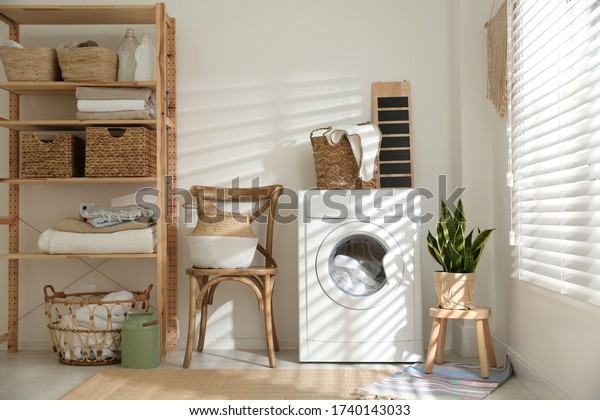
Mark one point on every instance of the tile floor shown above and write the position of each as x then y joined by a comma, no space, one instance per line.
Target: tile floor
38,375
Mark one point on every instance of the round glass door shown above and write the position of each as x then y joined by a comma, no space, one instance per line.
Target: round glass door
356,265
359,265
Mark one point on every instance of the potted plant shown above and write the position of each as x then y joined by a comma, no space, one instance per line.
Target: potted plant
458,254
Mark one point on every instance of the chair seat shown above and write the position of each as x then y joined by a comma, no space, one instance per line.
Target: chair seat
250,271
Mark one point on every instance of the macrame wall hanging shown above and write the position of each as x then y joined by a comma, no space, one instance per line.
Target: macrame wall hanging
497,44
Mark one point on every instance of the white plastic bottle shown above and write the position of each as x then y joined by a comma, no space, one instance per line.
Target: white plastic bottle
145,57
126,52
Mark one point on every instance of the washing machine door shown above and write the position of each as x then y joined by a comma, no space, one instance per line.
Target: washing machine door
359,265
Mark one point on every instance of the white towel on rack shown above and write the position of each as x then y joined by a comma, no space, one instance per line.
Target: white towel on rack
112,105
365,141
138,241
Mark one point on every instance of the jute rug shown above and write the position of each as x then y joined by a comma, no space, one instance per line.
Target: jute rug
225,384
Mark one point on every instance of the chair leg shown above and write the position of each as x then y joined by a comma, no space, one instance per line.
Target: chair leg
268,294
191,322
483,360
275,341
203,314
489,344
433,342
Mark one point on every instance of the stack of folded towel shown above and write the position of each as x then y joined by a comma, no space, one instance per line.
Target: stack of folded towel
107,103
102,230
109,216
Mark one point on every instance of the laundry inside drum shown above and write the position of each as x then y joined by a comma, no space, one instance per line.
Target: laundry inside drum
356,265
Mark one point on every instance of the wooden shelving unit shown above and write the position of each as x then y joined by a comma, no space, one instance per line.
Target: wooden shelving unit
164,125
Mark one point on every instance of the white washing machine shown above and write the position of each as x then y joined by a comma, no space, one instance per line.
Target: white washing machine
359,280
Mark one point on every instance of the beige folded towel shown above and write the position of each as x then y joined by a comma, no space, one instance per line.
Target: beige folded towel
117,115
84,92
79,226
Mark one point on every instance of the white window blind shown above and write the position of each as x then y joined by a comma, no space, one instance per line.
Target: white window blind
554,130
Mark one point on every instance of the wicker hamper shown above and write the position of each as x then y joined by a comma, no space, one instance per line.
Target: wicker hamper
335,165
88,64
85,330
30,64
62,156
120,153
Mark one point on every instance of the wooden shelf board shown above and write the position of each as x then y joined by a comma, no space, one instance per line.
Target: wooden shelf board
7,220
80,15
72,125
42,256
83,180
64,88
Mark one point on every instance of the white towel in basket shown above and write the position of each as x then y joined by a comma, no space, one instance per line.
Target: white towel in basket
365,140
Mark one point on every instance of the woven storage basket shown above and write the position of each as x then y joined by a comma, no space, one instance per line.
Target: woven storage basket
88,64
30,64
62,156
221,239
85,330
114,155
335,165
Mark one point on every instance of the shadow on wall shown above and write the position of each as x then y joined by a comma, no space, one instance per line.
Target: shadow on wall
259,126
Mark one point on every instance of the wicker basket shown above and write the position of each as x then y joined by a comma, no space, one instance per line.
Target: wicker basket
62,156
30,64
222,241
120,153
85,329
88,64
336,165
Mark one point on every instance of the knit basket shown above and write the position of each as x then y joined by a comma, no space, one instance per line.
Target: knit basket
88,64
85,329
335,165
62,156
120,152
30,64
222,240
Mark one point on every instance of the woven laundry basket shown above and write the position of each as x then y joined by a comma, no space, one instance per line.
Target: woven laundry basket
30,64
58,156
335,164
120,152
85,328
88,64
222,240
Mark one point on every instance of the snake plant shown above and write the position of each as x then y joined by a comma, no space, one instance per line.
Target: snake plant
454,251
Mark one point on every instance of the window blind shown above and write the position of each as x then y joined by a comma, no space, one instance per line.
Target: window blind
554,131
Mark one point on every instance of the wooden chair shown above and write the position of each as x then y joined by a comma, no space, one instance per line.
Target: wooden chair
437,341
261,279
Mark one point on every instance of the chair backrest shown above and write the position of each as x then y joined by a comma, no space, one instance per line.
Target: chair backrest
261,200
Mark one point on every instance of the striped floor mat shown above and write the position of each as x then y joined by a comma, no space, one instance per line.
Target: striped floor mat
448,381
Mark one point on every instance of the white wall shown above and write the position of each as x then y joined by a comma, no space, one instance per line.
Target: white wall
254,78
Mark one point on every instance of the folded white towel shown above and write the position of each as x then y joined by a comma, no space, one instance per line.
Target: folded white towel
126,242
365,140
112,105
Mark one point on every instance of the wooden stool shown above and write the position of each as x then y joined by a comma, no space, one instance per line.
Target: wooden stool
485,346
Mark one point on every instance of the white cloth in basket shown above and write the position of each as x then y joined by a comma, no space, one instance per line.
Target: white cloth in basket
74,345
365,141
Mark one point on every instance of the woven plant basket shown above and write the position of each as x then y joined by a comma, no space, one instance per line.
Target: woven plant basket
30,64
88,64
335,165
120,152
61,156
86,330
454,290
